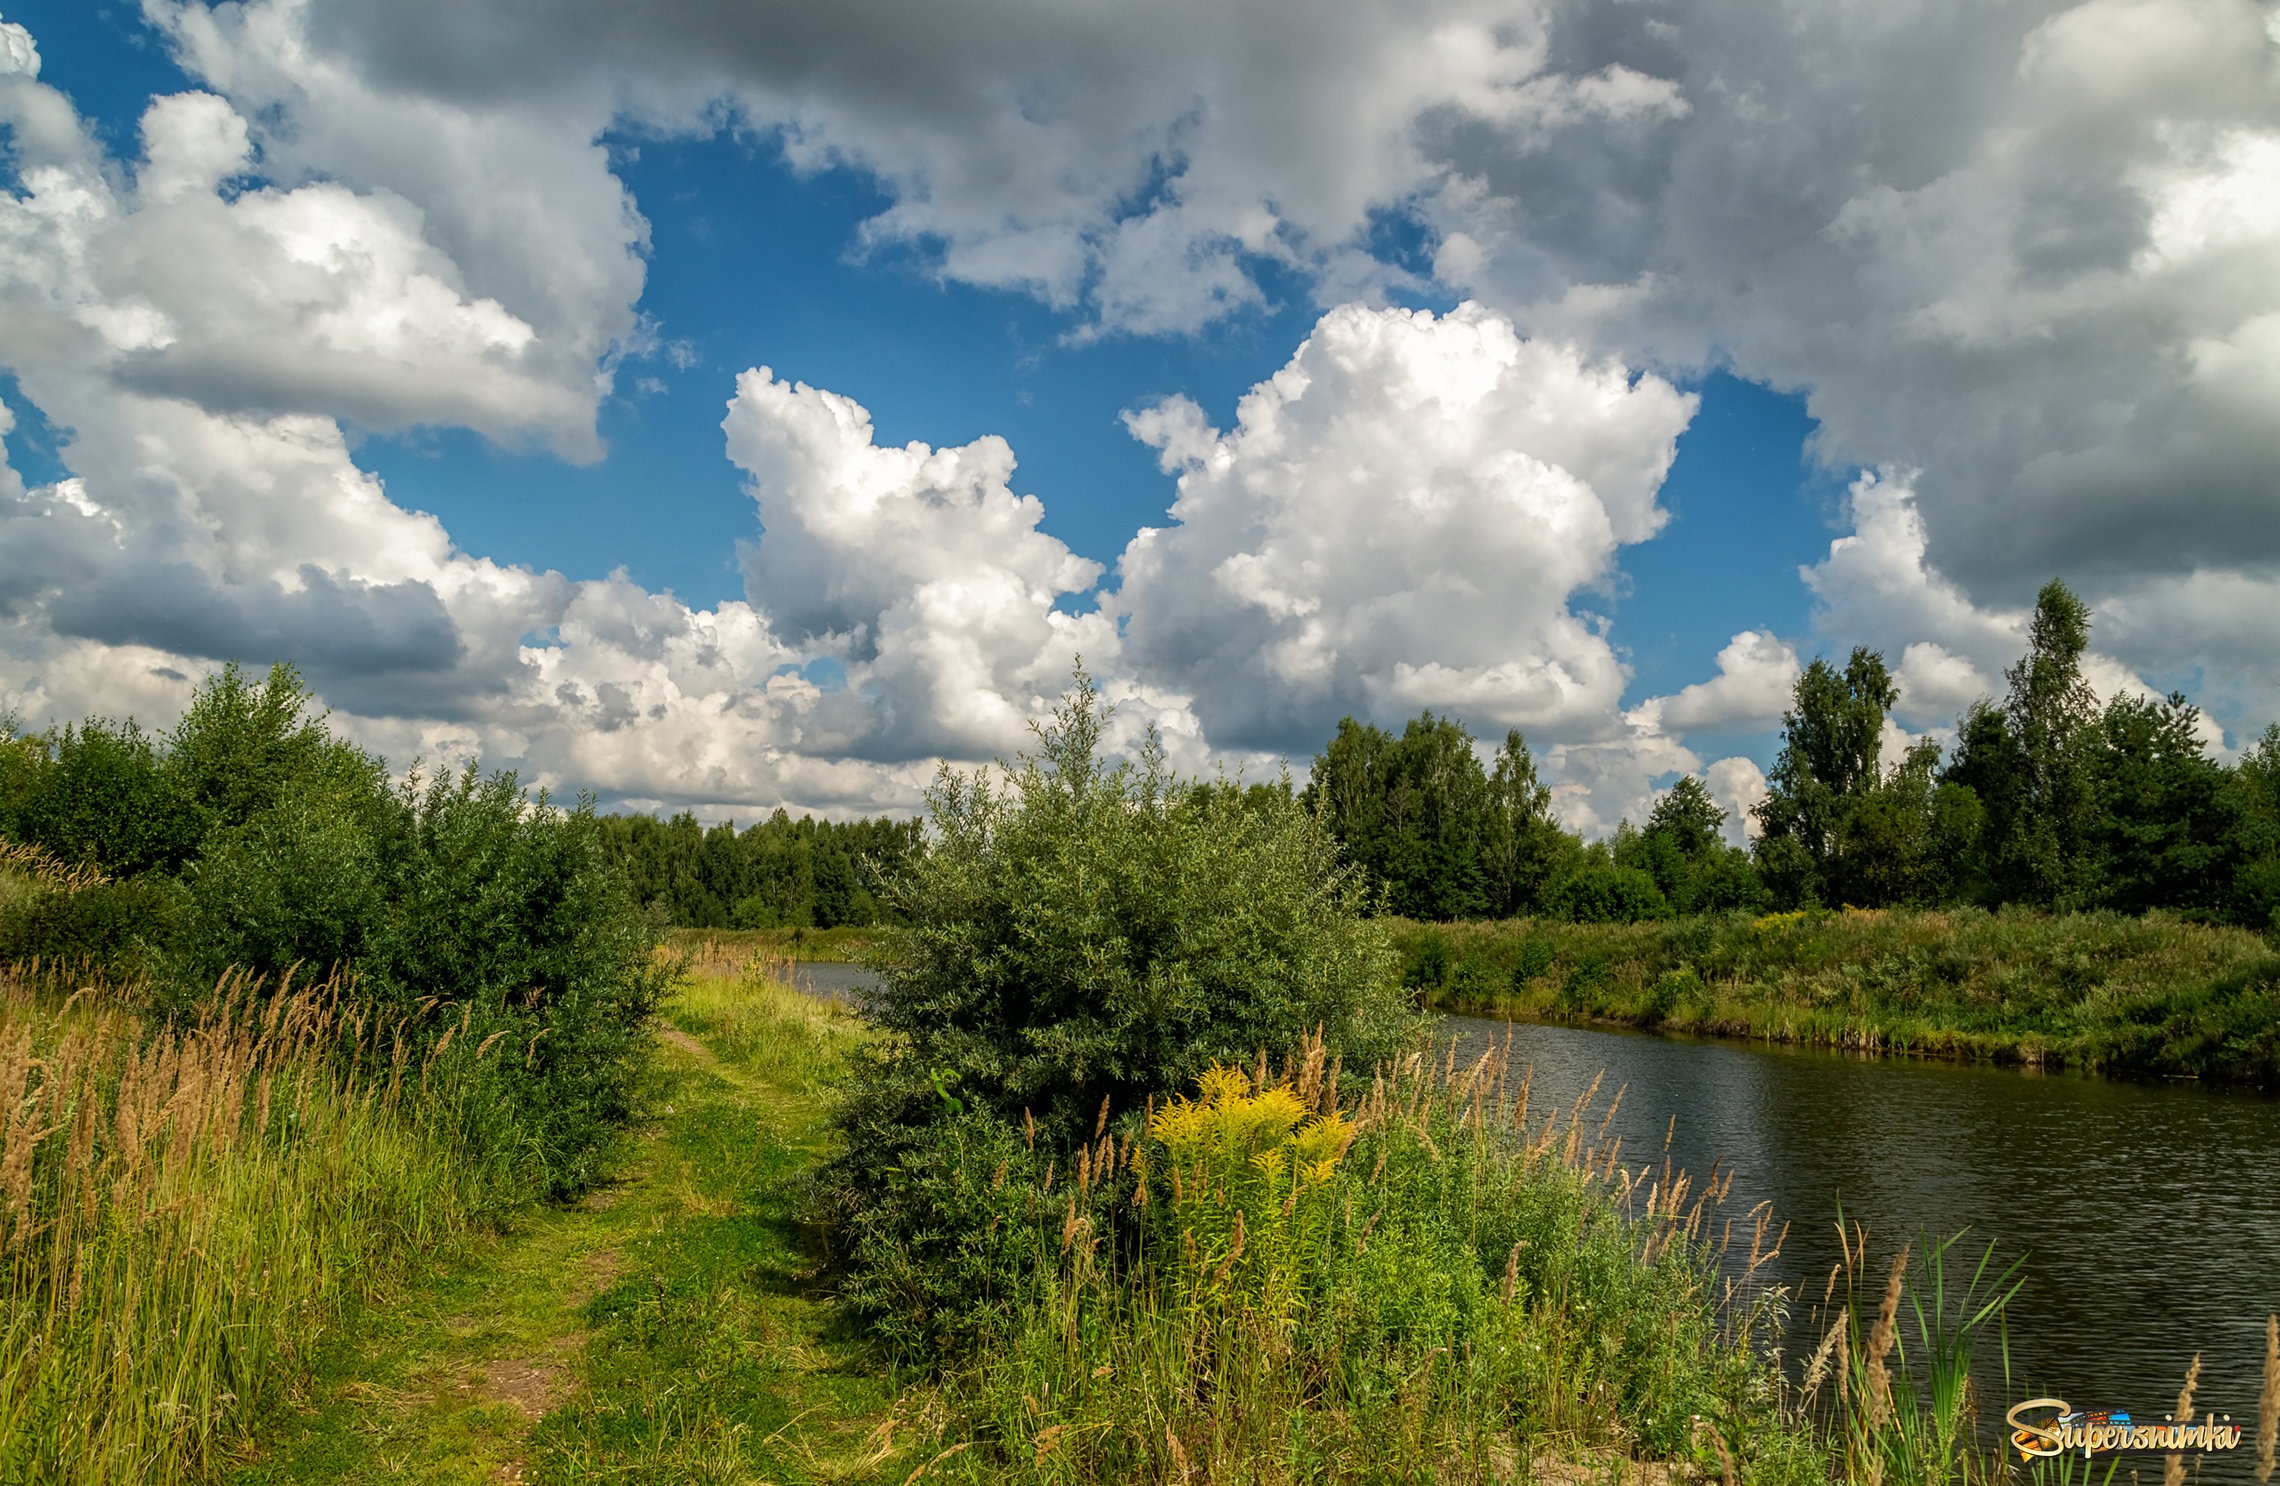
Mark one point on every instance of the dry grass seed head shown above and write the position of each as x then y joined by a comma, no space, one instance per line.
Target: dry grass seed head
1880,1339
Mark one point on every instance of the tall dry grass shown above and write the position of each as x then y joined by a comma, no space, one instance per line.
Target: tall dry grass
184,1208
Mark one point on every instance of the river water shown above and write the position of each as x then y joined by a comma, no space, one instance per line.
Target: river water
2148,1213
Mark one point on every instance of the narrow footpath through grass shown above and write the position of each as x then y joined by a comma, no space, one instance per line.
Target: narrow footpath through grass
664,1330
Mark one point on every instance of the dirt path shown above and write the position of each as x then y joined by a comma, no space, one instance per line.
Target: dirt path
662,1330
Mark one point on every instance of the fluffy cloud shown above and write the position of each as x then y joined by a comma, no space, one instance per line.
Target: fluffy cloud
1141,163
513,206
1398,521
918,568
1756,672
214,509
1739,787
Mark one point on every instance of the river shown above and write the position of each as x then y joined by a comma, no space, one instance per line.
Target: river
2148,1213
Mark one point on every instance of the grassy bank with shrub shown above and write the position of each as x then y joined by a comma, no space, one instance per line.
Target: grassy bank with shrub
1431,1282
275,1026
250,839
1143,1163
2139,994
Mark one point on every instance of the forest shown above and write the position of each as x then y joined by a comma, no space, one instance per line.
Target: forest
779,873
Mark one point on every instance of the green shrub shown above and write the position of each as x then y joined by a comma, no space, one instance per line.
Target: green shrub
1079,941
1600,894
1426,965
263,843
106,924
1534,958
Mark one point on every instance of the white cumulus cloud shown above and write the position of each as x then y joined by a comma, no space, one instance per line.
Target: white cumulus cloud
1398,521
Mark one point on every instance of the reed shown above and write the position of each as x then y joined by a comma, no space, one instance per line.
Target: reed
1905,1408
185,1207
2173,1466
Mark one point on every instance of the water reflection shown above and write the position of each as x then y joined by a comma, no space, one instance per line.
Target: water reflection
2149,1212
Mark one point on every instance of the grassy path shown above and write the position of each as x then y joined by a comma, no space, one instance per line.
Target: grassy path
662,1331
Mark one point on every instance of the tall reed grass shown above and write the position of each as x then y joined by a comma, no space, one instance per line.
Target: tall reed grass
1892,1383
185,1207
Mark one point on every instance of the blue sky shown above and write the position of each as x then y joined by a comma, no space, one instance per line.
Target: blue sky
1037,272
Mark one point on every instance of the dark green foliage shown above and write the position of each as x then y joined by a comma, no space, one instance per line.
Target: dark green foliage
779,873
1683,850
2034,766
108,924
1443,837
251,838
2253,896
1827,768
2166,833
1688,818
1426,966
1602,892
1083,937
96,795
2041,852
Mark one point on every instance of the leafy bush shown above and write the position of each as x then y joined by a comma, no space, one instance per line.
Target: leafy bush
263,843
1601,894
1080,941
1426,966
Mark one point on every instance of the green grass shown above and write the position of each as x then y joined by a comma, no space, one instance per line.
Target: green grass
725,949
2154,994
666,1329
1448,1300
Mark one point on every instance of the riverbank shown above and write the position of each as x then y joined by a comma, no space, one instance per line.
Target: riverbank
2149,995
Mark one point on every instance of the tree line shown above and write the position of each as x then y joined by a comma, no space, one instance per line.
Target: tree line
2048,799
778,873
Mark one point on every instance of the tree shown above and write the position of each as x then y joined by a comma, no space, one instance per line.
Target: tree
1688,816
1525,846
2253,896
1682,847
1831,738
1079,940
2167,827
1904,837
1443,837
2033,765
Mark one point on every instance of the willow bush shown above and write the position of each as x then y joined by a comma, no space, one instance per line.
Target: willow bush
1080,937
